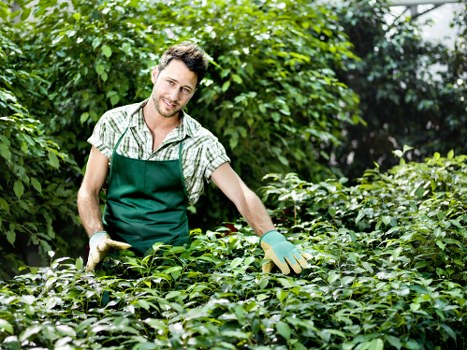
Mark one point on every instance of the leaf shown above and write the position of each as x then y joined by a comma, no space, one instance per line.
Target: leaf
36,184
4,205
107,51
440,244
283,329
84,117
394,341
5,152
114,100
66,330
79,263
53,160
30,331
236,78
100,69
386,219
18,188
376,344
156,324
6,326
367,267
11,236
225,86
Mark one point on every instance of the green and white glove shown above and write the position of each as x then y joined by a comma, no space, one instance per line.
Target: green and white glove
99,243
282,253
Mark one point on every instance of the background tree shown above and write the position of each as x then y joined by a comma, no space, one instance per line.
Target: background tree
35,200
412,92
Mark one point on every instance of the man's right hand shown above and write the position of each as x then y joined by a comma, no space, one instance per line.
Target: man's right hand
99,244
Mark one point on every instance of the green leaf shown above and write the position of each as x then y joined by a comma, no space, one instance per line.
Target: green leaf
394,341
114,99
5,152
107,51
6,326
18,188
53,160
100,69
66,330
236,78
376,344
225,86
84,117
11,236
29,332
283,329
440,244
36,184
79,263
4,205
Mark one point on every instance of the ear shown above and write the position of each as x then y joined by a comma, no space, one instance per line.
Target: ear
154,74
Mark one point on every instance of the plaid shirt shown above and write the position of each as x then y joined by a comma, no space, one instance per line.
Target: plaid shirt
202,152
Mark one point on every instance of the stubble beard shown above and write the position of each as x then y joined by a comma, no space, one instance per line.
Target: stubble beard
159,109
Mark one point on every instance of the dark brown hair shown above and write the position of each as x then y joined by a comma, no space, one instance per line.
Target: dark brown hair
189,53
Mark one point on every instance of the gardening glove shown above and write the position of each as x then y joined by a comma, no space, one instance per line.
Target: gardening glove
282,253
99,244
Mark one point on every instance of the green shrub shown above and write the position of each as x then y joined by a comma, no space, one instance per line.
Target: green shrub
379,278
35,199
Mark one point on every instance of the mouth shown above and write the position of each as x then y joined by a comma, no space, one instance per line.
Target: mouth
169,104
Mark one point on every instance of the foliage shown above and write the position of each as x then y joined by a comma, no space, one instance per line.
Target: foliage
418,209
270,88
412,91
387,272
34,197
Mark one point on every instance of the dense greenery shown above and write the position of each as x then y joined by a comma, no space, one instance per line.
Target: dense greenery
389,251
388,271
412,91
271,95
33,196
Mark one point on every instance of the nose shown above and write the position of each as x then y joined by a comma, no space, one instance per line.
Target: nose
174,94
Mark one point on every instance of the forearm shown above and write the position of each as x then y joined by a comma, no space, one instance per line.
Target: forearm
255,213
89,212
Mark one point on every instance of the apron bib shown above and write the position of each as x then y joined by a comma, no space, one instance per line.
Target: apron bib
146,201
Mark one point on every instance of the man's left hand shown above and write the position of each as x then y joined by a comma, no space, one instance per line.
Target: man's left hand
282,253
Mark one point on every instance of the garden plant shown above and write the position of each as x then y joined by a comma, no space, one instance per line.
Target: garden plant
388,272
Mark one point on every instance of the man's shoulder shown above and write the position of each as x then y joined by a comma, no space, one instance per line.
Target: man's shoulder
196,130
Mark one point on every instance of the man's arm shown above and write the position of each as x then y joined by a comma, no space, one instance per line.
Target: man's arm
277,249
88,207
88,194
247,202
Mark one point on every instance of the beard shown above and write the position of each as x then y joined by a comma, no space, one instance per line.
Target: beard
161,108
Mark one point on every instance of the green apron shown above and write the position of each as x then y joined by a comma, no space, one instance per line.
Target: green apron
146,201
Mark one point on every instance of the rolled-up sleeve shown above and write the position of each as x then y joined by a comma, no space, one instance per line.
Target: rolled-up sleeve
203,156
101,137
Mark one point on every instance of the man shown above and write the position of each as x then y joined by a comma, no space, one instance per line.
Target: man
157,158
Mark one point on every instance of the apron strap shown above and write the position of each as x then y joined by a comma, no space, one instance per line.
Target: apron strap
180,163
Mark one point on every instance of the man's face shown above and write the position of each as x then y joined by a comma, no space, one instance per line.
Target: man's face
173,88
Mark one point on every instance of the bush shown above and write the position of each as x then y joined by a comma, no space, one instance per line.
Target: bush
387,272
35,199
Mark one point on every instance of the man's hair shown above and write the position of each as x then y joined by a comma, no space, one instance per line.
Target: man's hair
189,53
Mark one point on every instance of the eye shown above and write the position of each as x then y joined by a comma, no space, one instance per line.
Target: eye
186,90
